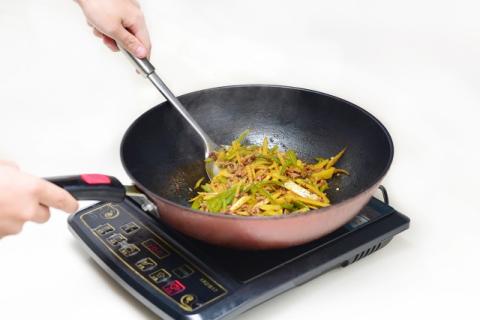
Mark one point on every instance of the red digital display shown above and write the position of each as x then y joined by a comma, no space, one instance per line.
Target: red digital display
173,287
155,248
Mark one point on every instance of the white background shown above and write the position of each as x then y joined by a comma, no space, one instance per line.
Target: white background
65,102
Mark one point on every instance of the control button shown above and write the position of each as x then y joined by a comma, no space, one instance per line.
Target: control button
146,264
116,239
155,248
183,271
188,301
104,229
129,250
130,228
95,179
109,213
173,287
161,275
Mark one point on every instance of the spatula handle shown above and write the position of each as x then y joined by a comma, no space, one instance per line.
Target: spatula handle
148,70
142,65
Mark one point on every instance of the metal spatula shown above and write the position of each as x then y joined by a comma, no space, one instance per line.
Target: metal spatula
148,70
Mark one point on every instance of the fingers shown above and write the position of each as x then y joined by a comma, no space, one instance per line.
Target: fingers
118,23
52,196
139,29
10,227
130,42
41,215
110,43
27,198
97,33
144,37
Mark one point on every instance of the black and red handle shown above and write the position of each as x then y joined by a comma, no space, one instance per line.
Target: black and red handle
92,187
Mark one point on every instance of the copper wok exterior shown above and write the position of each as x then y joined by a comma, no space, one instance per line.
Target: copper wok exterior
160,154
256,233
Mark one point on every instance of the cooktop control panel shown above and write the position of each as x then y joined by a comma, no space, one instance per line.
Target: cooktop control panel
150,258
178,277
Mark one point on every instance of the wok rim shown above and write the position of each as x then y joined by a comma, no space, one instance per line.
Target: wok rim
154,195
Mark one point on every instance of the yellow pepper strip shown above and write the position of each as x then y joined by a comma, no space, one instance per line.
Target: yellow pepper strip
211,195
324,198
281,158
271,210
221,154
240,202
271,207
199,182
237,191
276,194
300,164
279,177
320,164
334,159
261,203
309,201
253,172
195,198
249,174
263,162
225,173
324,174
265,146
273,166
342,171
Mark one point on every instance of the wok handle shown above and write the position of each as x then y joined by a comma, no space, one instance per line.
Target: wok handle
91,187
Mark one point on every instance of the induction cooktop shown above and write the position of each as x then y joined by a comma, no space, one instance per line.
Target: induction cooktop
178,277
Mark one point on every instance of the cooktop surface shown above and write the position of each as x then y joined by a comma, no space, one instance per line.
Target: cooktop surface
178,277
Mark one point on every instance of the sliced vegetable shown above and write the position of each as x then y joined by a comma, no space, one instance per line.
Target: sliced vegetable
199,182
295,188
334,159
263,181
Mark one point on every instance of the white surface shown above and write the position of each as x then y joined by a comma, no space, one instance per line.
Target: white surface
65,102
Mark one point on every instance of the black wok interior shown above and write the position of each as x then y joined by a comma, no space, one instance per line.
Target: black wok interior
163,154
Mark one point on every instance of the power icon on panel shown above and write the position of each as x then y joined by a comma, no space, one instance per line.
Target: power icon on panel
188,301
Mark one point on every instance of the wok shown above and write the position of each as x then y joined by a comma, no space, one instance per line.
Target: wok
164,158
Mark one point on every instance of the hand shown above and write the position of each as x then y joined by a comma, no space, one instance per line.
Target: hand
118,21
26,198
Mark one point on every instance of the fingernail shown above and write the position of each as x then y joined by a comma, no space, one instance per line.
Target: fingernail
141,52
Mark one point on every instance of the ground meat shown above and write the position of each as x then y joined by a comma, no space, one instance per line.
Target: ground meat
249,159
292,173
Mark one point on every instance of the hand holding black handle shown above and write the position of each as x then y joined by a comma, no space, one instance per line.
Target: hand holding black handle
91,187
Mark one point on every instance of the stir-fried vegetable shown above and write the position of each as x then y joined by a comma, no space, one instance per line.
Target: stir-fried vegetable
263,181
